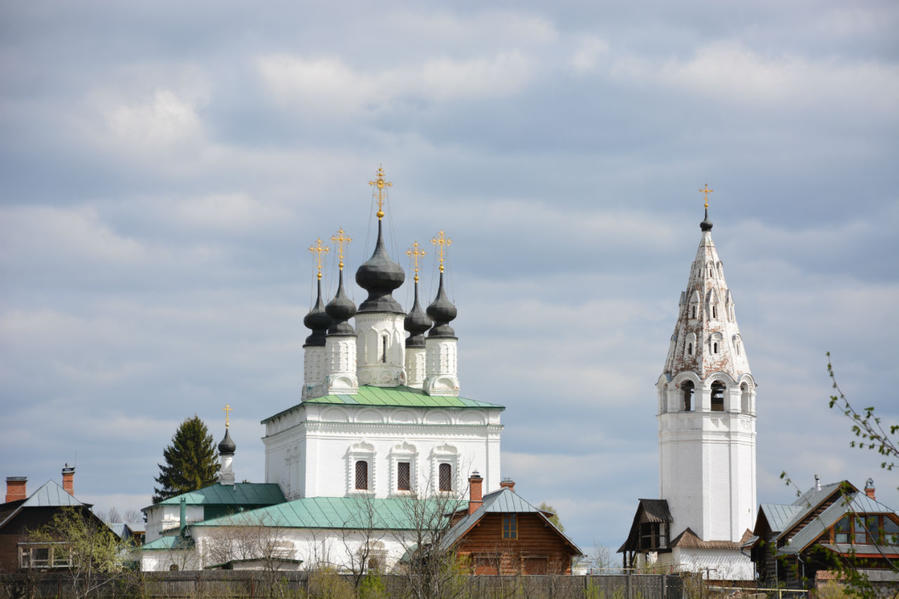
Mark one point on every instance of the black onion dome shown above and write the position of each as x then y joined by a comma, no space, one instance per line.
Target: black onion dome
416,322
380,276
706,224
318,321
227,446
441,311
340,309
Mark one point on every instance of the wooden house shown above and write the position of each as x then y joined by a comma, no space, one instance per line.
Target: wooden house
501,533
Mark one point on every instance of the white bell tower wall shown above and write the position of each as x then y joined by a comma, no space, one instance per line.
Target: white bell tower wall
380,349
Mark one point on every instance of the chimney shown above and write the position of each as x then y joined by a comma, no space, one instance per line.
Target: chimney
16,488
817,483
507,483
68,479
869,488
475,492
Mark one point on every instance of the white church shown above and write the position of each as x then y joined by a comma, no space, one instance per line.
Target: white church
707,438
380,420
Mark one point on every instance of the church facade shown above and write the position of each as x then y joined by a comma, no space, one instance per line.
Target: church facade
707,437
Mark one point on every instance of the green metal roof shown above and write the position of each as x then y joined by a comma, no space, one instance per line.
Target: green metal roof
168,543
401,396
391,513
237,494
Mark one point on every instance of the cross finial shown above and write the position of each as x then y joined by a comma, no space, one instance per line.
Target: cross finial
380,184
706,191
442,242
317,250
415,253
340,239
227,415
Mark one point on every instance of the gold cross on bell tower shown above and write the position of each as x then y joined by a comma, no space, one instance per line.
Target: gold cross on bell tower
415,253
381,185
706,191
227,415
441,242
317,250
340,239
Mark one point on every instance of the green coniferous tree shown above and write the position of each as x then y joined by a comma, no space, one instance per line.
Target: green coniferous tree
191,461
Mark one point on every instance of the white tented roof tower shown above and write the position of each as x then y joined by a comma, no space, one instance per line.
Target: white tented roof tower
707,464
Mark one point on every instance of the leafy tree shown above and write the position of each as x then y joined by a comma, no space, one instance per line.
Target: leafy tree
555,515
190,461
80,542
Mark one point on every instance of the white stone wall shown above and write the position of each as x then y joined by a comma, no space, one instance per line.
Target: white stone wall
315,547
164,517
340,354
311,451
442,366
416,367
315,370
374,330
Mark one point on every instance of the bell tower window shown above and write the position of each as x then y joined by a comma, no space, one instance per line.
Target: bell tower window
687,388
717,396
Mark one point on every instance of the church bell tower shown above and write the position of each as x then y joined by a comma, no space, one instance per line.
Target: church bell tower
706,412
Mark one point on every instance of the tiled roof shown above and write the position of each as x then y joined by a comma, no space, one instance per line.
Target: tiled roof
391,513
505,501
236,494
393,396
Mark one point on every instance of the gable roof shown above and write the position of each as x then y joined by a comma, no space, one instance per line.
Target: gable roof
690,540
503,501
401,396
391,513
236,494
50,494
778,515
655,510
811,502
856,503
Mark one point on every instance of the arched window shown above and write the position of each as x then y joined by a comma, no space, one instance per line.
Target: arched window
744,398
690,349
717,396
714,311
715,347
384,348
361,475
445,473
693,313
687,388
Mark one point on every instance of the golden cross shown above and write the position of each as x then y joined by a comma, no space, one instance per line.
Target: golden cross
317,250
415,253
442,242
380,183
340,240
706,191
227,415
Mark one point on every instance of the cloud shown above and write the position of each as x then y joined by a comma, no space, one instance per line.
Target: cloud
162,120
329,86
588,53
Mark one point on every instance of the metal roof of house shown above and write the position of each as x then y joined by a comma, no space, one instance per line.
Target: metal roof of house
236,494
391,513
168,543
779,515
808,502
857,503
392,396
505,501
50,494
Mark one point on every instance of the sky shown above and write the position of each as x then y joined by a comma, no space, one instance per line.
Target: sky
165,166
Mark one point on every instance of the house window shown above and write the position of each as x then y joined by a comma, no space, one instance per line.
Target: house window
361,475
44,556
445,474
687,388
841,530
510,526
403,476
717,396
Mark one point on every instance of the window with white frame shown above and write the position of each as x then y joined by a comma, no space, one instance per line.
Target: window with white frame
360,475
403,468
44,555
445,469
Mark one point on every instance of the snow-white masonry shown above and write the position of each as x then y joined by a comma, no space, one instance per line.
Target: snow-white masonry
707,416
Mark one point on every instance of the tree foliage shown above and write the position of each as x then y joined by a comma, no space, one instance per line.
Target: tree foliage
191,461
554,518
93,554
